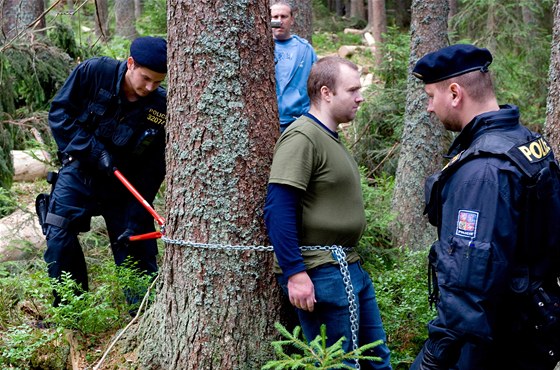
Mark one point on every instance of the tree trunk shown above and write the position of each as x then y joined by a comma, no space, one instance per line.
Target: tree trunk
303,27
124,18
357,9
402,13
102,18
453,8
19,14
215,308
423,137
378,25
552,126
339,7
137,9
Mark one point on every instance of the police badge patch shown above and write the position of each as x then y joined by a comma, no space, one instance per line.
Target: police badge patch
466,223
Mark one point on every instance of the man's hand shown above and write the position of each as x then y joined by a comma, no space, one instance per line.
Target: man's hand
105,163
301,291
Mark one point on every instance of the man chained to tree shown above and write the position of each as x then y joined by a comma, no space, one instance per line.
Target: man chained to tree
315,199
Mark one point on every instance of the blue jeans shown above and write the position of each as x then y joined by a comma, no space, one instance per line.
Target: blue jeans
331,309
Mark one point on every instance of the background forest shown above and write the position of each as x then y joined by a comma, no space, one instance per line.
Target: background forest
40,44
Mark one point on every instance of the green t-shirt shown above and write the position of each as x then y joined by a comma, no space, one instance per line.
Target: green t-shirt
307,157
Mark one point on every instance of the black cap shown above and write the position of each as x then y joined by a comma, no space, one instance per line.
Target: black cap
150,52
452,61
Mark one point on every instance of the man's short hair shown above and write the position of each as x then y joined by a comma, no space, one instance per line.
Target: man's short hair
288,3
325,73
478,85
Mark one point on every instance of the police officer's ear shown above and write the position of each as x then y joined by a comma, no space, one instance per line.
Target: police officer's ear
130,63
456,92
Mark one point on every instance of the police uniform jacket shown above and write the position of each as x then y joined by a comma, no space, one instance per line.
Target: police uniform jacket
90,114
476,202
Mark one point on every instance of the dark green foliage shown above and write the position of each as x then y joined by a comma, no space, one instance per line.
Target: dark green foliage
377,194
7,201
30,75
8,96
36,72
6,165
31,330
521,49
380,119
315,354
154,18
63,38
402,296
26,347
87,312
399,276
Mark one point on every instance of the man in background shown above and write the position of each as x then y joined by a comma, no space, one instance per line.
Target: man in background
293,57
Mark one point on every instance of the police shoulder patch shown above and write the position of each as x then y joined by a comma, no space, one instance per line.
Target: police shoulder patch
453,160
535,150
467,222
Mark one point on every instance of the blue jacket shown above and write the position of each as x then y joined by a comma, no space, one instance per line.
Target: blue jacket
476,202
291,92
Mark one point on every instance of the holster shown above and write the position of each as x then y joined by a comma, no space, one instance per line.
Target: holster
42,202
42,208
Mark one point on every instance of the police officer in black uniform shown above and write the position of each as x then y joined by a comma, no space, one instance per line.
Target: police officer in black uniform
108,114
495,263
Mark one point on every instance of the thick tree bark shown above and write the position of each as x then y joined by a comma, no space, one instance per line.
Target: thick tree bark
423,136
303,27
124,17
215,308
552,126
16,15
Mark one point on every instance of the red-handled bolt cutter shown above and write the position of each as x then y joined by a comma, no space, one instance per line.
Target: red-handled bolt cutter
149,208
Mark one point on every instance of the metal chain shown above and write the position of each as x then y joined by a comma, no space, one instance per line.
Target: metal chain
337,251
340,256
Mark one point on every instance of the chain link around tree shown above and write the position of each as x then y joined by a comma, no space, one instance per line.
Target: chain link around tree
338,253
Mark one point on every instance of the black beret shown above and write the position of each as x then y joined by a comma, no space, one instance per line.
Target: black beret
452,61
150,52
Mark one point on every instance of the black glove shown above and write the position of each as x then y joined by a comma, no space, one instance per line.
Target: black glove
123,241
430,362
105,163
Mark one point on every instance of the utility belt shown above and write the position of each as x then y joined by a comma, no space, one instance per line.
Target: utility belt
66,160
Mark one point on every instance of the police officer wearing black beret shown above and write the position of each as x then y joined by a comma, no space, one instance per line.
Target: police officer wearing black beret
494,266
108,114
